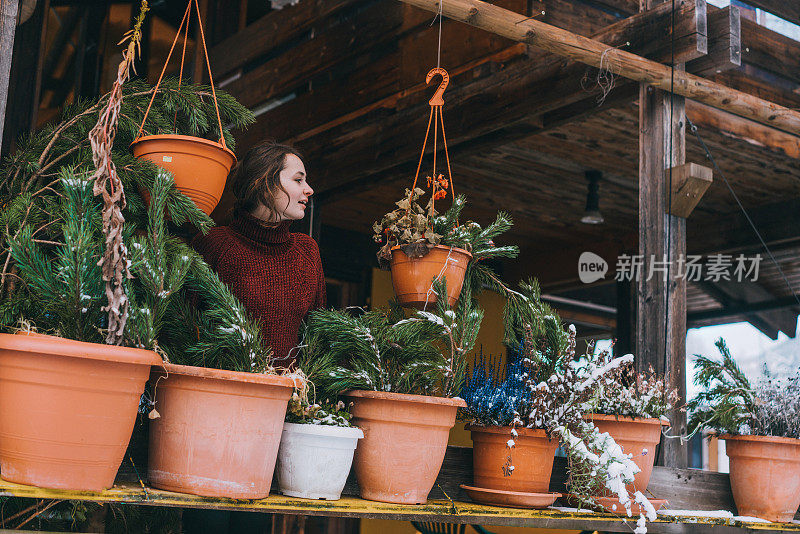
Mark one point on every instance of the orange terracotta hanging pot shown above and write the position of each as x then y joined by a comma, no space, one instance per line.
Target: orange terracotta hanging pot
199,166
412,278
414,273
68,409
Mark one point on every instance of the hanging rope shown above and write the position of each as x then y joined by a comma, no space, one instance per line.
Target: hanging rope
437,182
184,27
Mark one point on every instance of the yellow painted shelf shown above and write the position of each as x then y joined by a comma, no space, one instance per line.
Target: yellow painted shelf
442,511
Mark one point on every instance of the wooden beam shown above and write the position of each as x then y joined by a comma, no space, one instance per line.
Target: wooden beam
689,183
746,130
750,308
724,43
520,28
21,107
8,27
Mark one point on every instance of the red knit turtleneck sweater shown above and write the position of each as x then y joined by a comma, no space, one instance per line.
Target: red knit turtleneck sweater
277,276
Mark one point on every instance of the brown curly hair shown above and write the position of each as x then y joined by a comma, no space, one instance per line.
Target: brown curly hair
256,178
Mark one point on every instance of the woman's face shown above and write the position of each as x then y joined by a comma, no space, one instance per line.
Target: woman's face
292,204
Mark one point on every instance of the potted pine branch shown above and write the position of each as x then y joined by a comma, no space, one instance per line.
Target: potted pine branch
521,411
74,398
318,439
172,303
761,427
422,246
402,386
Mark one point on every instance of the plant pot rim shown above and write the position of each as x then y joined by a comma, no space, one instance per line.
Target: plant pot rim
768,439
35,342
625,419
506,430
188,138
444,247
324,430
406,397
221,374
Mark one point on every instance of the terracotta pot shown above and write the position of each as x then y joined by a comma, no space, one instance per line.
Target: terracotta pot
219,431
68,409
405,439
413,278
765,476
634,436
200,167
532,458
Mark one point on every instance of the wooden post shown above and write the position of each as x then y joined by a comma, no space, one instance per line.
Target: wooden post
8,25
661,298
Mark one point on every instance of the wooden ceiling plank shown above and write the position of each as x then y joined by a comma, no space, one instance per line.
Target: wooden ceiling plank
271,31
785,9
515,26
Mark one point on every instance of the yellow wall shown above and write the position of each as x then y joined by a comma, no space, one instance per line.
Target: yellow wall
490,339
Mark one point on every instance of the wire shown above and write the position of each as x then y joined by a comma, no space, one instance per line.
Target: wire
439,49
693,129
669,195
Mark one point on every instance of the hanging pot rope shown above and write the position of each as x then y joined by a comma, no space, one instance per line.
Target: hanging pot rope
438,184
184,26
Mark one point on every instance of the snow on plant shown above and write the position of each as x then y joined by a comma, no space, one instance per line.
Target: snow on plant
728,403
383,350
543,387
623,392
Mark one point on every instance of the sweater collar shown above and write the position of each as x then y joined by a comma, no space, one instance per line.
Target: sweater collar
255,230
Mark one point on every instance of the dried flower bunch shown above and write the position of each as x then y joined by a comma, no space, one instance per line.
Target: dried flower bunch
730,404
624,392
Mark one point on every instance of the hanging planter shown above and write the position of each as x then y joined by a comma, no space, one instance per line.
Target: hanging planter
405,439
765,476
199,167
417,254
68,409
412,278
218,432
314,460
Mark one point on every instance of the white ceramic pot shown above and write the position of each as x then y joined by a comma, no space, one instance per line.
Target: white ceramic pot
314,460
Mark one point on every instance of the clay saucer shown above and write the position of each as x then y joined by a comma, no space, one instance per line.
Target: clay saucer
513,499
611,505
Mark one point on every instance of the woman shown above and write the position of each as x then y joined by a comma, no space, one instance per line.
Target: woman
277,275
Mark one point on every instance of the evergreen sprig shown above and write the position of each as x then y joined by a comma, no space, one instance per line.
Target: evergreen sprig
378,350
727,400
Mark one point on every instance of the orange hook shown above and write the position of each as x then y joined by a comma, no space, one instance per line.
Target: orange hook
437,100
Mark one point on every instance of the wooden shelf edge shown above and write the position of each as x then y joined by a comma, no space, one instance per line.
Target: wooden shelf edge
435,510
